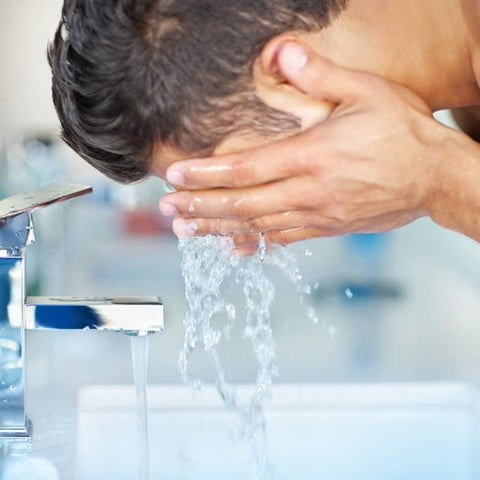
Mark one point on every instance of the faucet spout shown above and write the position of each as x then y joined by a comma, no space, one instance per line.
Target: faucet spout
132,315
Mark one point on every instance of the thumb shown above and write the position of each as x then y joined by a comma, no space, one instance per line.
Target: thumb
317,76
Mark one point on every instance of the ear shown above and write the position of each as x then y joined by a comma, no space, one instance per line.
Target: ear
274,89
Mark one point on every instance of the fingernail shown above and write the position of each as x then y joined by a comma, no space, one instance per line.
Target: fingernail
293,57
184,228
175,176
168,209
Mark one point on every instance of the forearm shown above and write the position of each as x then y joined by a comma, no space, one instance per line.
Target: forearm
456,201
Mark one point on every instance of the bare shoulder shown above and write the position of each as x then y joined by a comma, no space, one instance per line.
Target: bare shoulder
471,12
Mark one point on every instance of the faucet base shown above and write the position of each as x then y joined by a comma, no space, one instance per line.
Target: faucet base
21,434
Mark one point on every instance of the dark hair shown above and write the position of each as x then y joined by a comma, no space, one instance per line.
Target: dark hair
130,73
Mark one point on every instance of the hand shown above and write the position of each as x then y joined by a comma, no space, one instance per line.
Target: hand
370,167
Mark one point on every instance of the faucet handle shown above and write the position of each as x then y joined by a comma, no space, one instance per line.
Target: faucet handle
30,201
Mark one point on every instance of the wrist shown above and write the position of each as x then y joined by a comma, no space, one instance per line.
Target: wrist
455,197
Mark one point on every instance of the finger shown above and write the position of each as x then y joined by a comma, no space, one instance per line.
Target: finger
244,204
245,245
251,248
378,224
281,237
319,77
184,228
275,161
286,237
245,240
245,251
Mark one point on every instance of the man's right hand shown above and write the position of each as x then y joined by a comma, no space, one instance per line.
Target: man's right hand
380,161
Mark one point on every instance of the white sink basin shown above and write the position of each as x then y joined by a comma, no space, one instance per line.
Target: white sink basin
339,432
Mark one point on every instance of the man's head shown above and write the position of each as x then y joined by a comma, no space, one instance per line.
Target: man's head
134,77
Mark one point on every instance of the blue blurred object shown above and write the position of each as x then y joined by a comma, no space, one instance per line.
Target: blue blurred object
370,246
366,277
351,292
75,318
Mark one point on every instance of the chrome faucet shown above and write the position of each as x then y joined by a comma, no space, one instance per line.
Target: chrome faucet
132,315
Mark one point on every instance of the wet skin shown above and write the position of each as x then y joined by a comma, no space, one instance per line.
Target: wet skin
399,164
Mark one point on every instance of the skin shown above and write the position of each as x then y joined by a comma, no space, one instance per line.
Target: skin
468,118
358,79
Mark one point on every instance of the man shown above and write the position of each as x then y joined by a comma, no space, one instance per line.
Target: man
141,85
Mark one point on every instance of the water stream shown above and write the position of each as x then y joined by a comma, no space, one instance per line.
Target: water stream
139,348
211,274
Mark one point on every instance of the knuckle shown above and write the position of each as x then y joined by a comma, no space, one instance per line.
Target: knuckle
239,239
242,211
312,220
310,163
242,172
246,206
279,238
326,222
218,227
183,201
333,215
211,226
256,225
244,240
203,227
326,198
337,218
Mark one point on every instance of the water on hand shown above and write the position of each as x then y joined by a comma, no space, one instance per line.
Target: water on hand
208,266
139,347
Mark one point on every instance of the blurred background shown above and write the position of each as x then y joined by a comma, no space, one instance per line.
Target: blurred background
405,306
396,307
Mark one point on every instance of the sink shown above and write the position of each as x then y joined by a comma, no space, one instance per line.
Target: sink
322,432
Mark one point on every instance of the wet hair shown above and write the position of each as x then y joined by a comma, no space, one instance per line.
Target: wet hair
128,74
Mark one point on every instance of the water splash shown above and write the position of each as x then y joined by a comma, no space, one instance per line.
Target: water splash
286,261
208,267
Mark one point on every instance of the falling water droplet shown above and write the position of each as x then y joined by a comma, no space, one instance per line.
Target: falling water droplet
262,248
307,289
231,311
311,314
